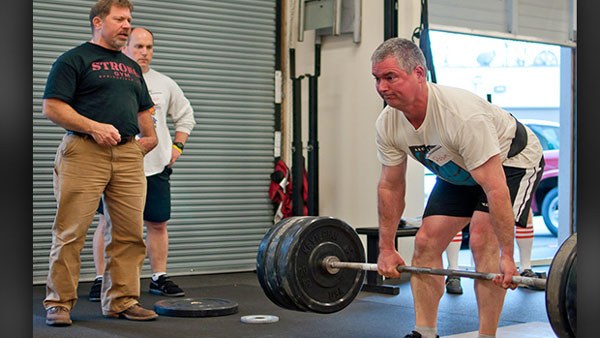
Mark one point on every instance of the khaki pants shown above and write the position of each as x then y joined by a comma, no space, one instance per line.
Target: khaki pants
83,170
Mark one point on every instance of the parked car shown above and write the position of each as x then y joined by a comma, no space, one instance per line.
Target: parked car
545,202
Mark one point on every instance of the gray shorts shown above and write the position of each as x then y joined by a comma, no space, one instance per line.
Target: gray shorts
462,200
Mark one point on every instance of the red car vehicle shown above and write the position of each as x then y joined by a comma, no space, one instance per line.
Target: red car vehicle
545,202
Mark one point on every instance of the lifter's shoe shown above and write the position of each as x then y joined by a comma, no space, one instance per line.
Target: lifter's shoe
135,312
453,285
415,334
164,286
94,295
530,273
58,316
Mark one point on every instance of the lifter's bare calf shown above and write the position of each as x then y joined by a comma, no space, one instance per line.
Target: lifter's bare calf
431,240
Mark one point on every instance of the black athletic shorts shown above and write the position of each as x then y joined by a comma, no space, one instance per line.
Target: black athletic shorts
158,197
462,200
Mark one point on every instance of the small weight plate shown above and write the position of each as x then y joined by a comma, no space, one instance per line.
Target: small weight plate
195,307
557,288
259,319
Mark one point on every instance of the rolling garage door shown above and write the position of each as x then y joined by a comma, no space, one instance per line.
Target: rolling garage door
222,54
547,21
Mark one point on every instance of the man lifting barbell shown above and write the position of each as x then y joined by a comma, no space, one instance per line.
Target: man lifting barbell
317,264
488,164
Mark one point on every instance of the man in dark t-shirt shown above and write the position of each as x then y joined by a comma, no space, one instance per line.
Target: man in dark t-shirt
99,96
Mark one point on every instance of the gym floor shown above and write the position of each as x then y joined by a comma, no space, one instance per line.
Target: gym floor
369,315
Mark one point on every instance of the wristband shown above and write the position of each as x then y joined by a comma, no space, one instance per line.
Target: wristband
178,146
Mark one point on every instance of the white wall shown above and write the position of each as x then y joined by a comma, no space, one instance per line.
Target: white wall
348,107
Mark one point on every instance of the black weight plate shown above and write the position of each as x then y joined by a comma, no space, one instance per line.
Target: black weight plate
272,262
281,260
305,278
195,307
557,287
263,269
571,297
320,290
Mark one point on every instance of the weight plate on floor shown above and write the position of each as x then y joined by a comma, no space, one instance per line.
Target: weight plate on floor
264,260
259,319
195,307
303,276
559,290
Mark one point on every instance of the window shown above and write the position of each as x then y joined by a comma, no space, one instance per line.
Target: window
549,135
522,78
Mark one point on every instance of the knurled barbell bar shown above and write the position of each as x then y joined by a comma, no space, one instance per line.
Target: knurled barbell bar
332,264
317,264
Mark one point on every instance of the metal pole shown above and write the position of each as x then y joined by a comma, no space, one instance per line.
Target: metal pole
297,158
331,263
313,137
390,19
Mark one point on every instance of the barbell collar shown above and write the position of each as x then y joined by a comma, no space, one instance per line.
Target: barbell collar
331,263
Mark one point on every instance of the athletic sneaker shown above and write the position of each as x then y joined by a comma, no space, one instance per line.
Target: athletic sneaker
415,334
94,295
532,274
165,287
453,285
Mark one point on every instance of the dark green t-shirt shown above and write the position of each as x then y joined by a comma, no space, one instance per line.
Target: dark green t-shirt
101,84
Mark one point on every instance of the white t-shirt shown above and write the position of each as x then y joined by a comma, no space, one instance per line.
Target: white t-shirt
461,128
168,99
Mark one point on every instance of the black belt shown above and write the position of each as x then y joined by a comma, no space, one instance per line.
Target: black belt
519,142
124,139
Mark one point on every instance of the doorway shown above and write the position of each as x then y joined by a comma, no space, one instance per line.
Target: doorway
523,78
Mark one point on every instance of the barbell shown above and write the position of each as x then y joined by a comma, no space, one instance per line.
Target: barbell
317,264
332,264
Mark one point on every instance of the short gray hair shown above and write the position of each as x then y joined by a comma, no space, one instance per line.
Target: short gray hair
407,54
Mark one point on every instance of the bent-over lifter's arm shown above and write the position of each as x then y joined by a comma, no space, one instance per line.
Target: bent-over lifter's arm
490,175
391,192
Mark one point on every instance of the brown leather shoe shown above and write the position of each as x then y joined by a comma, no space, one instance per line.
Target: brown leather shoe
58,316
135,312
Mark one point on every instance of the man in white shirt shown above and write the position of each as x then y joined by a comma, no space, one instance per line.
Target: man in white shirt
488,165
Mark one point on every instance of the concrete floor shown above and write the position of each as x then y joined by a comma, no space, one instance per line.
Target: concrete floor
369,315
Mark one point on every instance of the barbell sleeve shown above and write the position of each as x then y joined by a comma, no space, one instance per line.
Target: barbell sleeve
331,263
